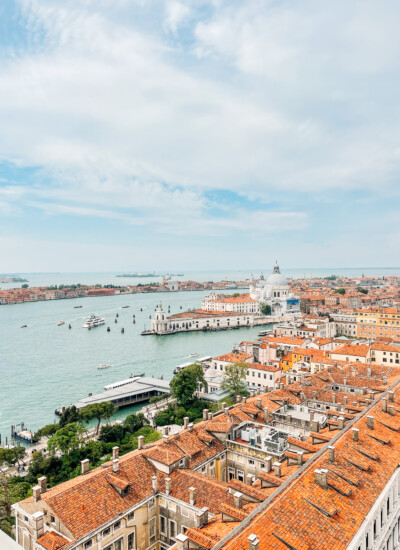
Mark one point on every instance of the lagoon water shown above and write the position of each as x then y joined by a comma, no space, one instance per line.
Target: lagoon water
45,366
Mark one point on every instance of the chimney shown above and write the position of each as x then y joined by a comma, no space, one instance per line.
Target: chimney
154,483
266,414
369,371
331,453
36,493
210,415
192,494
341,422
258,391
84,466
384,380
201,517
115,452
182,541
391,396
238,398
282,386
38,524
140,441
115,465
253,542
314,426
250,479
238,499
321,478
190,427
167,485
345,381
299,458
333,397
205,414
268,462
314,394
223,406
277,469
355,434
345,398
384,405
372,395
42,484
370,422
391,410
185,422
252,393
259,402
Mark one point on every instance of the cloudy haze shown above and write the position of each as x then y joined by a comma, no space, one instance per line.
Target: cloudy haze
150,134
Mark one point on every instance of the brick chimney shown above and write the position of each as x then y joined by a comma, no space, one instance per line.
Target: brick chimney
84,466
391,396
36,493
190,427
201,517
333,397
341,422
38,524
192,495
252,393
266,414
253,542
268,462
42,481
300,458
370,422
277,469
250,479
205,414
259,402
331,453
115,465
238,398
238,499
167,485
115,452
182,541
210,415
384,405
391,410
321,478
140,441
355,434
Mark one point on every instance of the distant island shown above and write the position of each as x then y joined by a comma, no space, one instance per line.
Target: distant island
139,275
148,275
13,280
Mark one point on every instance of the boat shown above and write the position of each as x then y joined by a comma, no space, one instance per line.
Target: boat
60,323
108,329
104,366
124,307
93,321
24,326
193,354
77,307
69,326
122,330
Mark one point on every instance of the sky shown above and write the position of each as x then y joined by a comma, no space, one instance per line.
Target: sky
173,134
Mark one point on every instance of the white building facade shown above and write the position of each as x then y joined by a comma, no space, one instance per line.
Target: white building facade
275,292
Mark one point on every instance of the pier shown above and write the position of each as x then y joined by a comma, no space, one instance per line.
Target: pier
125,392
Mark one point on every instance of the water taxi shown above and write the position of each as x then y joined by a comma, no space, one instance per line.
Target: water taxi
93,321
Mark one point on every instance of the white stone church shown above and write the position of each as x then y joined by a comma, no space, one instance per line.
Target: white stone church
275,292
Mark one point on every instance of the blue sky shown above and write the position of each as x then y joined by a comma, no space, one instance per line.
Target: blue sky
198,134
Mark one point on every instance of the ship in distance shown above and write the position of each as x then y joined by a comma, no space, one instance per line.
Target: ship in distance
93,321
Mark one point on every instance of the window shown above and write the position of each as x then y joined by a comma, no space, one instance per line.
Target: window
152,530
183,529
163,502
152,503
131,541
106,532
52,519
117,525
184,512
251,462
87,544
130,516
240,475
172,529
163,525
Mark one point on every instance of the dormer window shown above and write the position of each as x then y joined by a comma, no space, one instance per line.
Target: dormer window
87,544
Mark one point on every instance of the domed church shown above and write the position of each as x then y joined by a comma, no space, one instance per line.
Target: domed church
275,292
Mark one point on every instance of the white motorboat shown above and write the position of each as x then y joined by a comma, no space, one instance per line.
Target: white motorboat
60,323
193,354
94,321
104,366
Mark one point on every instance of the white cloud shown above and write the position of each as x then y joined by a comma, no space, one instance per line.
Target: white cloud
175,14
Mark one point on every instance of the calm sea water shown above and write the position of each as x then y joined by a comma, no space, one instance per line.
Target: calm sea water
45,366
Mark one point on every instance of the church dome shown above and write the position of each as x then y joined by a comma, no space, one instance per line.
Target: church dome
276,278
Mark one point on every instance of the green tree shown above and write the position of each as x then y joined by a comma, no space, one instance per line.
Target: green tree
341,291
70,415
185,383
11,491
234,379
12,456
25,285
265,308
66,439
235,294
134,422
362,290
99,411
110,434
48,430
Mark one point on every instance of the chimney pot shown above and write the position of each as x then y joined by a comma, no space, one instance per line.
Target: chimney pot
192,495
185,422
252,393
85,466
140,441
154,483
205,414
190,427
115,465
115,452
253,542
167,485
238,398
42,481
355,434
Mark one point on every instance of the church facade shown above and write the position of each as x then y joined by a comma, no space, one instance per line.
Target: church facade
275,292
